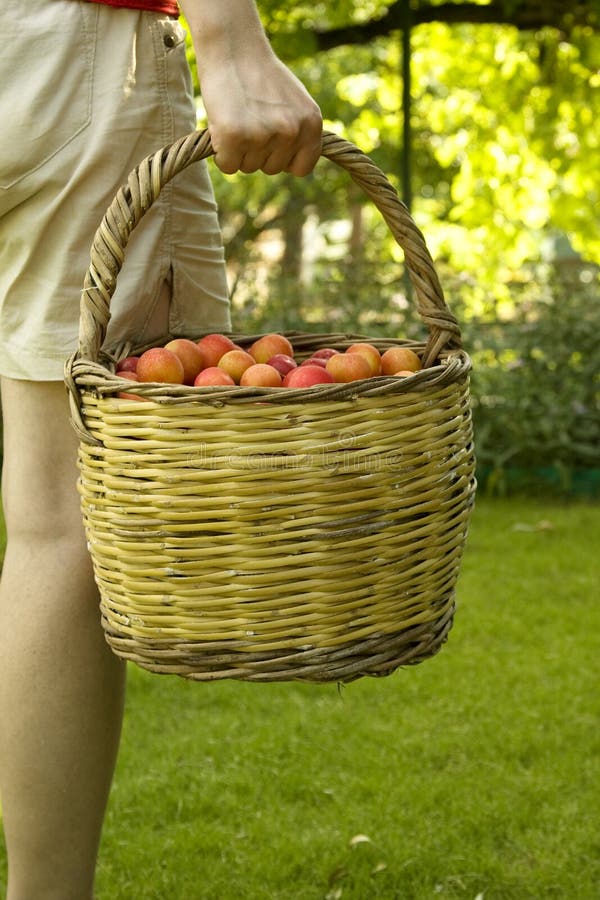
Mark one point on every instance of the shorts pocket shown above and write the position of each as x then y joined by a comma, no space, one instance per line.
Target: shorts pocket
46,69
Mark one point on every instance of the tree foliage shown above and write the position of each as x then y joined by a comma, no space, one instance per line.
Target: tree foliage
504,157
504,149
361,24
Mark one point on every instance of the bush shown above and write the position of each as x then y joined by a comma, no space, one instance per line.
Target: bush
535,385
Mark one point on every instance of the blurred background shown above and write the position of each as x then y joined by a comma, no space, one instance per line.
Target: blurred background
484,117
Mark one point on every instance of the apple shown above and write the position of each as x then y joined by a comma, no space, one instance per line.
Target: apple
235,363
130,376
129,364
345,367
260,375
403,373
212,375
161,365
307,376
283,363
324,353
190,355
269,345
213,346
314,361
370,353
396,358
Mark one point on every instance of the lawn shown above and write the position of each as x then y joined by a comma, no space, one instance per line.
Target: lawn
473,775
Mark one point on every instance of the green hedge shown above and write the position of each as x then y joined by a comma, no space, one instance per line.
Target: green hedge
536,375
535,389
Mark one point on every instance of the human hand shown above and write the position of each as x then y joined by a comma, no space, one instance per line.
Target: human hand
260,116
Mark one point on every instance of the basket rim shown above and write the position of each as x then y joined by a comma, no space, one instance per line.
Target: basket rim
145,183
100,378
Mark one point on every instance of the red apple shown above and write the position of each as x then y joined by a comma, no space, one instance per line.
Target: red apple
396,358
314,361
260,375
307,376
130,376
235,363
347,367
283,363
324,353
269,345
213,346
190,355
129,364
161,365
213,375
370,353
403,373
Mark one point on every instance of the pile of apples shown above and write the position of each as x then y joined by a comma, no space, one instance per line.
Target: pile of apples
215,360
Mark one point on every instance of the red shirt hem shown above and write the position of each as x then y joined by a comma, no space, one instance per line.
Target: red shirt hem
166,7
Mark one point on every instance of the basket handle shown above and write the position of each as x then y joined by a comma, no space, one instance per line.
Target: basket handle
145,183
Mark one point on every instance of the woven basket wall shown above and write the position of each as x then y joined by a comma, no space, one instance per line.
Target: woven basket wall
271,534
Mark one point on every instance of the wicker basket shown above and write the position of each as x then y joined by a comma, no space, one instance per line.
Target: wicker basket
266,534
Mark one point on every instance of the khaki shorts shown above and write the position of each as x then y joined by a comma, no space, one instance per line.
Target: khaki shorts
88,91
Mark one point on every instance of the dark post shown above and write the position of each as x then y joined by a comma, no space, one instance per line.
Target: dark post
406,106
406,163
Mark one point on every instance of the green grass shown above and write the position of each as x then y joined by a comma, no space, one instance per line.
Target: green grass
472,775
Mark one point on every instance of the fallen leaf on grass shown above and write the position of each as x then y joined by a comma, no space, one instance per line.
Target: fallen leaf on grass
359,839
542,525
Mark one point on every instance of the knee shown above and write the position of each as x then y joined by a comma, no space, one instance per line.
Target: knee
51,516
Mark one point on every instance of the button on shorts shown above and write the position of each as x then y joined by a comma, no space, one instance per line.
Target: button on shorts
88,91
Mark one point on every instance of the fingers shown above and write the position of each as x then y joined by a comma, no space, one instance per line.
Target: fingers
270,158
298,158
305,160
293,148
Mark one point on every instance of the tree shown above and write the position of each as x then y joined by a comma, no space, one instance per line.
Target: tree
566,16
504,147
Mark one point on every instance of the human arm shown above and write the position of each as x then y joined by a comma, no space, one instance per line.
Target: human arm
260,116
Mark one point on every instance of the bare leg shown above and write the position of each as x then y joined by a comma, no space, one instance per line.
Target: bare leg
61,688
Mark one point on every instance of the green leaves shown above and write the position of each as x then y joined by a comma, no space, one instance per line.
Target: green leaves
505,156
535,385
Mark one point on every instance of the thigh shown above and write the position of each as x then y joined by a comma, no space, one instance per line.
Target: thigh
141,99
39,473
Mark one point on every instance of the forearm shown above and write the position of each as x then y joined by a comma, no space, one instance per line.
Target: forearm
224,27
